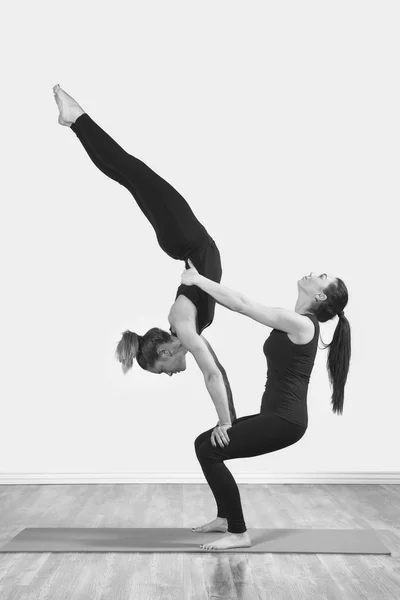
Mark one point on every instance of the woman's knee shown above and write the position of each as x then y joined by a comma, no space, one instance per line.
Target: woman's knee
198,441
201,438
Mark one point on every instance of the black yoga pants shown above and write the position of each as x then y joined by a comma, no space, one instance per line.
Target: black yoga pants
178,231
252,435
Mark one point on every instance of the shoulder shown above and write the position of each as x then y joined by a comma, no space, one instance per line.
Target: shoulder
306,330
182,309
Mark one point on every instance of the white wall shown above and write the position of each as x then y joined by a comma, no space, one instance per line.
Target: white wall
279,123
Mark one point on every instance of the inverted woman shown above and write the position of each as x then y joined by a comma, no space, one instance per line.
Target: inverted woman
180,235
282,421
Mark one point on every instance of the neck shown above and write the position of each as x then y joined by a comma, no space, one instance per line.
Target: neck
302,307
304,301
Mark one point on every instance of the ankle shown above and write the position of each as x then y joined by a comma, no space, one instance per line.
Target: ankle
78,113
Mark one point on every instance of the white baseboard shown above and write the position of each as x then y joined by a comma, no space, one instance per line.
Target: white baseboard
361,477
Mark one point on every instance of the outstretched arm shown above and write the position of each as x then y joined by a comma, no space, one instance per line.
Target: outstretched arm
223,295
275,317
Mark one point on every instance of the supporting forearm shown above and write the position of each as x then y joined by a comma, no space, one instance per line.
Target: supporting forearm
231,406
216,388
232,411
223,295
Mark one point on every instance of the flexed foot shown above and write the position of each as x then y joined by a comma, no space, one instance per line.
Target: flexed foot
230,540
219,524
69,109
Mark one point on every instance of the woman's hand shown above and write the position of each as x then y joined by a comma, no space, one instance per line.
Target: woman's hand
190,276
220,435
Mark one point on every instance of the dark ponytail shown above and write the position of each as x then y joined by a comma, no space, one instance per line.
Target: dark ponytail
144,349
339,353
338,362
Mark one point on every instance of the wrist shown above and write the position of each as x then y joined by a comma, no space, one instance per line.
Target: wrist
198,280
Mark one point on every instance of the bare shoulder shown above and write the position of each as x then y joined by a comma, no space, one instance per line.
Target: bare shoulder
305,332
182,309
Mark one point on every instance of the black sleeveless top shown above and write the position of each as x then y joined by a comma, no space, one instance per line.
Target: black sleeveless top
288,375
207,261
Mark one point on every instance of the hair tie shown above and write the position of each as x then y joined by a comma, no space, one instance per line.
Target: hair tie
341,314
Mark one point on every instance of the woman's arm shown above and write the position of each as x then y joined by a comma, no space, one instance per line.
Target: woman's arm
232,411
213,378
275,317
223,295
183,319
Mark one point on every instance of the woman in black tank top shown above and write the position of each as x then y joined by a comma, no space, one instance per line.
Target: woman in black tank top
282,421
180,235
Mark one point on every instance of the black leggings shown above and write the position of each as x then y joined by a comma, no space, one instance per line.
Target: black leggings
178,231
252,435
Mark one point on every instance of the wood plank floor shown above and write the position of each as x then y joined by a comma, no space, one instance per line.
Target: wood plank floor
143,576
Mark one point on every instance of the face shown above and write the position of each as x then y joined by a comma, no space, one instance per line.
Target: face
314,284
169,365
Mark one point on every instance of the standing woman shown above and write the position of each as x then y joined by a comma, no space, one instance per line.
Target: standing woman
282,421
181,236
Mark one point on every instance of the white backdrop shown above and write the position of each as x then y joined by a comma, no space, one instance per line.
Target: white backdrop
279,123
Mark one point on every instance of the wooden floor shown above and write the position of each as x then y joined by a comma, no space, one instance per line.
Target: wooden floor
119,576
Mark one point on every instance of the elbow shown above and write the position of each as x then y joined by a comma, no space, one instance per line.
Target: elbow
240,305
236,303
213,376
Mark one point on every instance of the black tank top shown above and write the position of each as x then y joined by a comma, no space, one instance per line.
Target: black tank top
288,375
207,260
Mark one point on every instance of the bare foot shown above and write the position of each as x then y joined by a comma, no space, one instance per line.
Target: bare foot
230,540
68,107
219,524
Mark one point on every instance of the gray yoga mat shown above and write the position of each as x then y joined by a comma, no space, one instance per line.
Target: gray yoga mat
77,539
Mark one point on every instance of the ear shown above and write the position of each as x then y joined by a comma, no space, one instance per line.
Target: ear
162,351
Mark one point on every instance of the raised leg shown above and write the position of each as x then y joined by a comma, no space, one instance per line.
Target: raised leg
177,229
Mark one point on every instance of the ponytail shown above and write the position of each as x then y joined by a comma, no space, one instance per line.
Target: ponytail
127,349
339,353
